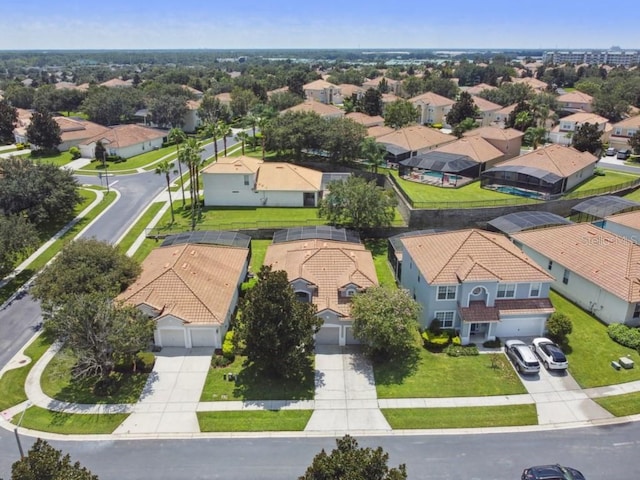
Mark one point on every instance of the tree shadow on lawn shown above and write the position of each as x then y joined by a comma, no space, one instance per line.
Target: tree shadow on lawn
253,385
127,388
395,370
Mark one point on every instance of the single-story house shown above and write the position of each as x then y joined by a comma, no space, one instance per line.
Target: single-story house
563,132
326,273
477,283
412,140
125,141
73,131
432,108
594,268
191,290
575,102
247,181
322,109
541,173
622,131
367,121
507,140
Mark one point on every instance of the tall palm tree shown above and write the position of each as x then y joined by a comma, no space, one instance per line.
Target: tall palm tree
178,136
191,157
242,137
212,130
165,168
374,152
225,131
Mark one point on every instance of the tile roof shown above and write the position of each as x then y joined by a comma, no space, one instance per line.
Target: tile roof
604,258
485,105
476,148
575,97
224,98
78,129
234,165
476,89
584,117
195,283
554,158
507,110
390,97
416,137
450,258
364,119
194,104
495,133
631,122
347,89
120,136
430,98
375,82
478,311
277,90
628,219
327,265
320,108
117,82
318,85
532,82
379,131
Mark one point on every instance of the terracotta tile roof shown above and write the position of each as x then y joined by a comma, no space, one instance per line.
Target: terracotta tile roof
495,133
476,89
558,159
430,98
195,283
364,119
277,90
471,255
575,97
192,90
117,82
476,148
318,85
628,219
320,108
377,132
327,265
78,129
194,104
530,305
416,137
346,89
390,97
224,98
375,82
584,117
280,176
507,110
605,259
631,122
121,136
65,86
485,105
234,165
532,82
479,312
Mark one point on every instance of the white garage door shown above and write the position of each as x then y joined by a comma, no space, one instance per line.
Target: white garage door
520,327
328,335
349,338
172,338
203,337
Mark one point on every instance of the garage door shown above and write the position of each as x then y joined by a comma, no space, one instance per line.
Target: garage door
328,336
172,338
349,338
203,337
520,327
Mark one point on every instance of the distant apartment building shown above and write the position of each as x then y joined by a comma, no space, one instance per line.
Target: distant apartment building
593,57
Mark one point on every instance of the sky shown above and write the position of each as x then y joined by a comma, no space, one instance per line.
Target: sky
238,24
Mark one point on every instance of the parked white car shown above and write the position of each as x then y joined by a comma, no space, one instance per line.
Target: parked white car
552,356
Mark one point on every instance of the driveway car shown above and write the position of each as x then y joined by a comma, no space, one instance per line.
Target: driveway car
611,152
623,154
522,356
551,355
551,472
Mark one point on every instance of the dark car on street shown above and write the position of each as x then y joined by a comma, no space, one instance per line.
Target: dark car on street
552,472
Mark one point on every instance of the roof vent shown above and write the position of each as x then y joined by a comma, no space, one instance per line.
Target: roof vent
185,265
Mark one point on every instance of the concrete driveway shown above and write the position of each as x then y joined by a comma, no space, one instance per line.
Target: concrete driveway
170,398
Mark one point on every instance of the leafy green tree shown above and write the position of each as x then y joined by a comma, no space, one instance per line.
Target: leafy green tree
462,109
43,462
587,138
242,137
521,117
535,136
17,238
43,132
559,326
610,106
41,191
8,121
349,461
372,102
358,204
342,138
276,328
296,81
634,142
241,101
399,114
413,86
19,96
112,106
508,93
225,131
283,100
168,111
441,86
294,132
84,266
374,152
385,321
165,168
211,110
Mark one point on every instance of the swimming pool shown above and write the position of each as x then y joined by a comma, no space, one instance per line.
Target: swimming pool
438,175
519,191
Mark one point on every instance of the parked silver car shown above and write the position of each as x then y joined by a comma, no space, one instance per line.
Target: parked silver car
522,356
551,355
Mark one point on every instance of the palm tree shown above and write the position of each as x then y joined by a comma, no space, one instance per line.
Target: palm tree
212,130
165,168
178,136
242,137
225,131
374,152
535,136
191,157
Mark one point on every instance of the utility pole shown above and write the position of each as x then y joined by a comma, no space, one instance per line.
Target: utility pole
15,431
106,169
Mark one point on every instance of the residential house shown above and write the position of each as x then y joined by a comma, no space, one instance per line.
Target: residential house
117,83
322,91
326,273
348,90
564,131
73,131
191,290
366,120
432,108
487,110
322,109
388,98
594,268
477,283
538,86
541,173
410,141
193,91
479,88
507,140
623,130
501,116
125,141
248,181
475,148
224,98
379,131
191,120
575,102
393,86
625,224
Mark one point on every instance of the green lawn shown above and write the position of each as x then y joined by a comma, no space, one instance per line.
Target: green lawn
254,421
621,405
57,382
58,159
433,375
634,196
40,419
252,386
378,249
139,227
145,249
610,179
591,351
12,382
461,417
133,163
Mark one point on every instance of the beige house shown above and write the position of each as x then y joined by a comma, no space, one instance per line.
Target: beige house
501,116
73,131
479,88
563,132
366,120
322,109
327,274
191,290
432,108
117,83
410,141
487,110
323,92
507,140
379,131
475,148
394,86
347,90
622,131
575,102
538,86
125,141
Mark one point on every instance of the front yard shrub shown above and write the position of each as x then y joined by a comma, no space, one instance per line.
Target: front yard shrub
492,343
435,342
75,153
624,335
145,362
219,361
461,351
559,326
434,327
228,348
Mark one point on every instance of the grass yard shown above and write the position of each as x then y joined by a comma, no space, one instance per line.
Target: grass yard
139,227
461,417
133,163
610,179
12,382
254,421
378,249
58,159
145,249
40,419
634,196
58,383
251,386
432,375
591,351
621,405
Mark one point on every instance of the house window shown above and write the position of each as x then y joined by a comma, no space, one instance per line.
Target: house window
565,277
618,131
550,265
446,319
303,296
636,311
534,289
246,180
506,290
349,292
631,133
447,292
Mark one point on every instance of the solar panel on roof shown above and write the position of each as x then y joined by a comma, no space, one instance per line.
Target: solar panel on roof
210,237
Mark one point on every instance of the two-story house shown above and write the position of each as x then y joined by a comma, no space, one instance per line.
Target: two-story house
575,102
322,91
432,108
487,111
622,131
393,86
326,273
564,131
477,283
